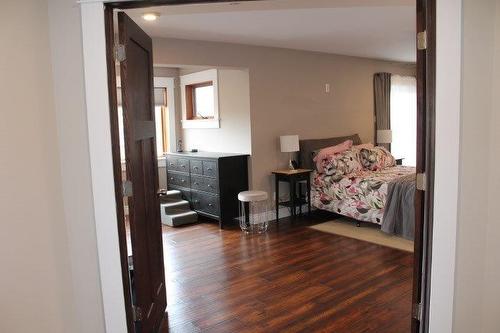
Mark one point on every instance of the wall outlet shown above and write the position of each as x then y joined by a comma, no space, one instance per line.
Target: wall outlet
327,87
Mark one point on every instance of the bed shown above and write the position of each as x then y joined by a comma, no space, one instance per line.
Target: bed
384,196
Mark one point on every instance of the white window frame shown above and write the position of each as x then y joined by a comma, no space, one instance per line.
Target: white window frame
169,84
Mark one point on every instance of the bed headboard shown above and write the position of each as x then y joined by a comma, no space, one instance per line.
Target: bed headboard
308,146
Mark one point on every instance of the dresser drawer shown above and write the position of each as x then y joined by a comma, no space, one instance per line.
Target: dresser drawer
178,179
206,184
206,203
196,167
171,163
183,165
177,164
210,168
197,183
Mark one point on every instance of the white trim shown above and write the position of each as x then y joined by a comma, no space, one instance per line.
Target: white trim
169,84
101,165
448,91
283,212
199,77
162,162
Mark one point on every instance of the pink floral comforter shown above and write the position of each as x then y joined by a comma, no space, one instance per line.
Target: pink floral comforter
360,195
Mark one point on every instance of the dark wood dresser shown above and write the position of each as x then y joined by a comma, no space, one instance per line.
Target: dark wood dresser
209,181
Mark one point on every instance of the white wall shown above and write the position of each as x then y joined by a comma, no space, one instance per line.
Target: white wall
67,70
448,89
36,288
233,136
477,293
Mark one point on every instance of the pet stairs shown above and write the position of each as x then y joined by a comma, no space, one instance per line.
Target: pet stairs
176,211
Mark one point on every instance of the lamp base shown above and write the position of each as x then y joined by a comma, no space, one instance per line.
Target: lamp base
291,165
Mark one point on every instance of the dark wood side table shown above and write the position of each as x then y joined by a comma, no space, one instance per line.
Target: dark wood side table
293,177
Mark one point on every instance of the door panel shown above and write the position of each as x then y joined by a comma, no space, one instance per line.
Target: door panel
425,164
142,171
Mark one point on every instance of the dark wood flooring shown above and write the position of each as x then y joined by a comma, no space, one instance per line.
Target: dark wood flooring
292,279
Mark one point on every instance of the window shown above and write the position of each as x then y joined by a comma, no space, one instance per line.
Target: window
161,122
404,118
200,101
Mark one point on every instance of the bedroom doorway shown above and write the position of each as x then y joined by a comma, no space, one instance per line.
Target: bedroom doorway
425,142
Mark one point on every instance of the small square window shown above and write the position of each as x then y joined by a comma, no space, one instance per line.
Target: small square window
200,101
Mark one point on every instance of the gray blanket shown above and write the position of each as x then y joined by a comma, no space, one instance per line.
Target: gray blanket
399,213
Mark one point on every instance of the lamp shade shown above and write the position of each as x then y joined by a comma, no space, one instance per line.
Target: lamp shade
384,136
289,143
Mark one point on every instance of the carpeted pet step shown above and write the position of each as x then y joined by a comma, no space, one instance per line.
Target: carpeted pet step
174,194
171,196
174,207
179,217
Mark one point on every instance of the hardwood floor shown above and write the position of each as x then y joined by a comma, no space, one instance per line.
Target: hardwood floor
292,279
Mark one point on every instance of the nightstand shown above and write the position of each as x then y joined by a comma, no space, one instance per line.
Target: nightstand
293,177
399,161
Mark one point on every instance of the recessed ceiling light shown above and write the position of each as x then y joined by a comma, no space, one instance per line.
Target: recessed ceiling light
150,16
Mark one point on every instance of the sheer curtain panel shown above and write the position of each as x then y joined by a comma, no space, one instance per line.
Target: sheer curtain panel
404,118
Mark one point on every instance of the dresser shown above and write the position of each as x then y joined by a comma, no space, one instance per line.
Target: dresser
209,181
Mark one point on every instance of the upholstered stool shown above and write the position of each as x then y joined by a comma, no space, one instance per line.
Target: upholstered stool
253,211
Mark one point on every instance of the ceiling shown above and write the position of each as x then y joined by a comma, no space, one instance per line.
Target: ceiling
380,29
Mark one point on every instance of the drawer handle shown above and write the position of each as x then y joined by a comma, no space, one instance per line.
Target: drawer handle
171,164
183,165
196,183
183,181
171,178
209,169
195,168
210,186
210,205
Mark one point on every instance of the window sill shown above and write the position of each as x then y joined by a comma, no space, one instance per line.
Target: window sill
201,123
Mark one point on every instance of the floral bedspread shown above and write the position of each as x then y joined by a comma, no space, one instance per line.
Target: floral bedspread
360,195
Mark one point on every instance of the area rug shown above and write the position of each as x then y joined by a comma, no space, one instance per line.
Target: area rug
366,232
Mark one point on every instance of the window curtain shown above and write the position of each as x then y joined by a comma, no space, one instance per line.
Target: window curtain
403,118
382,93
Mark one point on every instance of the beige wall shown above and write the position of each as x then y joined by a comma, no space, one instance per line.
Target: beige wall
492,257
35,282
477,292
287,93
233,136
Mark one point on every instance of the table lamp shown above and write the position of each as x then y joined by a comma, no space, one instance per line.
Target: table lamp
384,136
289,144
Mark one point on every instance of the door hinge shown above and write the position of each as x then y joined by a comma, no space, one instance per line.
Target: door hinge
136,313
422,40
421,181
120,54
127,189
417,311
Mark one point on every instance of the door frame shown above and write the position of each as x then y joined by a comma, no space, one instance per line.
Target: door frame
425,21
101,155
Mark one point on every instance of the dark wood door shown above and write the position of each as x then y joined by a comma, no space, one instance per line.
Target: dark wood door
425,162
136,72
